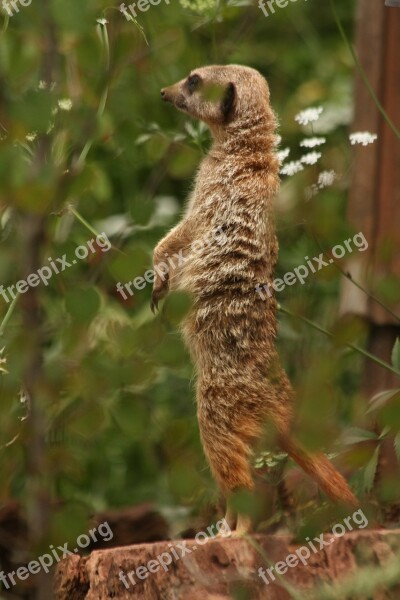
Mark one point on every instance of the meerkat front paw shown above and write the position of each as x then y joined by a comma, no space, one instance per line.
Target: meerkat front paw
160,290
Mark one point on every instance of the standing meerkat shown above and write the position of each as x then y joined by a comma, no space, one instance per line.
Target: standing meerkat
231,329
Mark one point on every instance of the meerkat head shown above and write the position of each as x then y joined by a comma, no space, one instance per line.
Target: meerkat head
221,95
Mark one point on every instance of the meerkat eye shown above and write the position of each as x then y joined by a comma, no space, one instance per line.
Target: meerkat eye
193,82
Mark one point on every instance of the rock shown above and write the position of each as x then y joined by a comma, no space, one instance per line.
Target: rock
213,569
131,525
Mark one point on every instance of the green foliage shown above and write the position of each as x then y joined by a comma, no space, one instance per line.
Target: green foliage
87,146
396,354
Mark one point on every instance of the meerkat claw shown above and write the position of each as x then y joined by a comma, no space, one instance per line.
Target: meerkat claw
154,304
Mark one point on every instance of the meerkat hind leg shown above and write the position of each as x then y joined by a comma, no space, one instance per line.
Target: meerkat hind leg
244,525
230,516
238,523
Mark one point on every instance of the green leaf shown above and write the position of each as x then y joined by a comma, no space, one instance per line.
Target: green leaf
77,19
141,210
171,351
82,305
385,431
175,308
397,446
354,435
389,415
214,92
131,415
134,264
142,139
370,470
69,523
396,355
33,110
382,399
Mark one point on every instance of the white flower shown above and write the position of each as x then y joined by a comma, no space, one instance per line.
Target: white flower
31,137
311,191
311,158
43,85
326,178
309,115
312,142
362,137
102,21
292,168
200,6
65,104
334,116
283,154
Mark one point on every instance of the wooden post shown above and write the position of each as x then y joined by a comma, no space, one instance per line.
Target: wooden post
374,200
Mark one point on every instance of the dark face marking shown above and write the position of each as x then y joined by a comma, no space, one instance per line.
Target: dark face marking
228,101
193,82
180,102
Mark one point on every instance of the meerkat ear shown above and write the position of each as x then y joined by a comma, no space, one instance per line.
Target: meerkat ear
228,101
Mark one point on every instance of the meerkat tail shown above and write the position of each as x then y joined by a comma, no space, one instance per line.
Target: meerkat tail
321,470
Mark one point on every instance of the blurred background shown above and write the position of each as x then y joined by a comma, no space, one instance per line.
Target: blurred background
97,394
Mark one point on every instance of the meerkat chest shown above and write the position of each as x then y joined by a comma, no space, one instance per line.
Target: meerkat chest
213,187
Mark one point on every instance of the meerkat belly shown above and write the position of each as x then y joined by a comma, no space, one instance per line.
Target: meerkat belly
233,332
224,273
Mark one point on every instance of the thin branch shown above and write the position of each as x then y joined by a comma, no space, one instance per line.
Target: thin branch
8,315
88,226
24,398
356,283
362,72
375,359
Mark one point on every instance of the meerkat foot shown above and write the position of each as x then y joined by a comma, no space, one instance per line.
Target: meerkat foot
230,517
244,525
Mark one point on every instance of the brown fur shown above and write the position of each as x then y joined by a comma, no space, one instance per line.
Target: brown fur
231,330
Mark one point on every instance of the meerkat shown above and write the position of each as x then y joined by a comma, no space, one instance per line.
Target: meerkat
231,330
